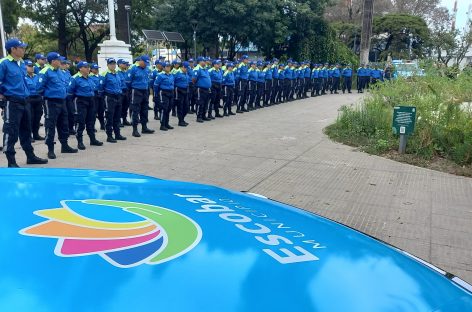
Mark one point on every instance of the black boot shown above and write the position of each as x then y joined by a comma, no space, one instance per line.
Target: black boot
32,159
147,130
169,127
37,137
94,141
80,143
126,122
51,154
119,137
66,149
11,161
110,139
135,132
163,127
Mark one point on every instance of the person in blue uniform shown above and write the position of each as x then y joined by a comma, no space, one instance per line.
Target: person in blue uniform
361,78
268,83
182,84
81,90
164,92
307,78
346,74
176,64
122,72
202,82
35,100
40,61
228,85
260,85
191,90
368,72
111,89
275,89
324,78
287,80
376,75
54,90
98,99
280,97
158,68
243,85
216,76
71,112
138,81
17,111
336,76
315,80
252,85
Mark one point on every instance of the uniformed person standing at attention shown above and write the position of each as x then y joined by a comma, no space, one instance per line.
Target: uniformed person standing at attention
138,81
182,83
243,84
347,78
35,100
17,112
216,76
40,60
81,91
228,85
122,72
164,92
54,90
98,99
202,82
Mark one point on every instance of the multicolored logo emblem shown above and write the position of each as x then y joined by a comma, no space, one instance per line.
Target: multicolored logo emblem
126,234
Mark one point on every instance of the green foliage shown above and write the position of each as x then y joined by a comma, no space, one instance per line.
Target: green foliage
443,127
394,31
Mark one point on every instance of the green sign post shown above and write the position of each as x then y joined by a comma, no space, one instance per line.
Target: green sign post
404,118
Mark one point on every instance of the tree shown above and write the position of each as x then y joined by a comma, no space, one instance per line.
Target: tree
367,16
401,35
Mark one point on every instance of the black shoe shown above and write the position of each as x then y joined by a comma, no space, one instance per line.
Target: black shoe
169,127
95,142
13,165
126,122
136,133
102,127
37,137
122,125
119,137
51,154
206,119
156,117
349,92
12,161
219,116
210,117
110,139
199,120
239,111
147,130
35,160
245,110
183,124
150,108
174,114
163,128
81,145
225,114
231,113
66,149
72,132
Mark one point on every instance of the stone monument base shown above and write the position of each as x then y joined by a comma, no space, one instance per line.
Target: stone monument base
113,48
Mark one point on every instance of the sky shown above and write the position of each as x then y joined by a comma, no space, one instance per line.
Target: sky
462,8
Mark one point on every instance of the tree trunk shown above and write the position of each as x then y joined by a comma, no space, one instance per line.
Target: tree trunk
367,17
61,27
122,21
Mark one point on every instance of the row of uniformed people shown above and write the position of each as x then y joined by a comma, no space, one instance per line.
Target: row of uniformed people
367,75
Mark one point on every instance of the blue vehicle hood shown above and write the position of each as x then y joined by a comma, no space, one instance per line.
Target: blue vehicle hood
83,240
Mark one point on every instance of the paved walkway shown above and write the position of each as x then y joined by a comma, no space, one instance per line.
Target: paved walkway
281,152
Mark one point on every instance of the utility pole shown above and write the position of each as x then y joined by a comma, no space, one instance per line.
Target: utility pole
366,34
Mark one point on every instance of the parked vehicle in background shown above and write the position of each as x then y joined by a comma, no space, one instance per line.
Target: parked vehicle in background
407,68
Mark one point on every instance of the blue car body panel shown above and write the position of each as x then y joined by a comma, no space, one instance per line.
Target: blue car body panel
84,240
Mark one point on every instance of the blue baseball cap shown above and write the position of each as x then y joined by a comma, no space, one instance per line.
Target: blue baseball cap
121,61
162,57
82,64
166,64
94,66
15,43
191,60
28,63
52,56
111,60
64,60
176,62
185,64
275,59
144,58
200,59
244,57
259,63
39,56
229,64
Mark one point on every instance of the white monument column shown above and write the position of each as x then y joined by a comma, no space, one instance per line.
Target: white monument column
113,47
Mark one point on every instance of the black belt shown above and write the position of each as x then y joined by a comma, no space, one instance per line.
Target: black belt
166,91
17,99
84,97
115,96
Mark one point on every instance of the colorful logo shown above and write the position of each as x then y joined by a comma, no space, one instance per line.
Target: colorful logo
126,234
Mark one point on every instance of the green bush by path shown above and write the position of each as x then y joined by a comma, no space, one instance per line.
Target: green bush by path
443,127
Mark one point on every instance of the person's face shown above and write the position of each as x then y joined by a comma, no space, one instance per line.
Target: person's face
94,71
167,69
184,69
159,67
41,62
142,64
84,70
202,63
122,66
111,66
29,69
18,52
245,61
56,63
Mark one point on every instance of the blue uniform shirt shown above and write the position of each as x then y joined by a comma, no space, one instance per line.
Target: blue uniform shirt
52,83
122,74
81,86
37,68
281,73
268,73
336,73
362,72
347,72
252,74
275,71
32,84
96,81
307,72
67,76
243,71
228,78
190,74
315,73
164,81
260,75
202,78
330,73
288,73
139,78
216,76
12,78
181,79
110,83
324,72
376,74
